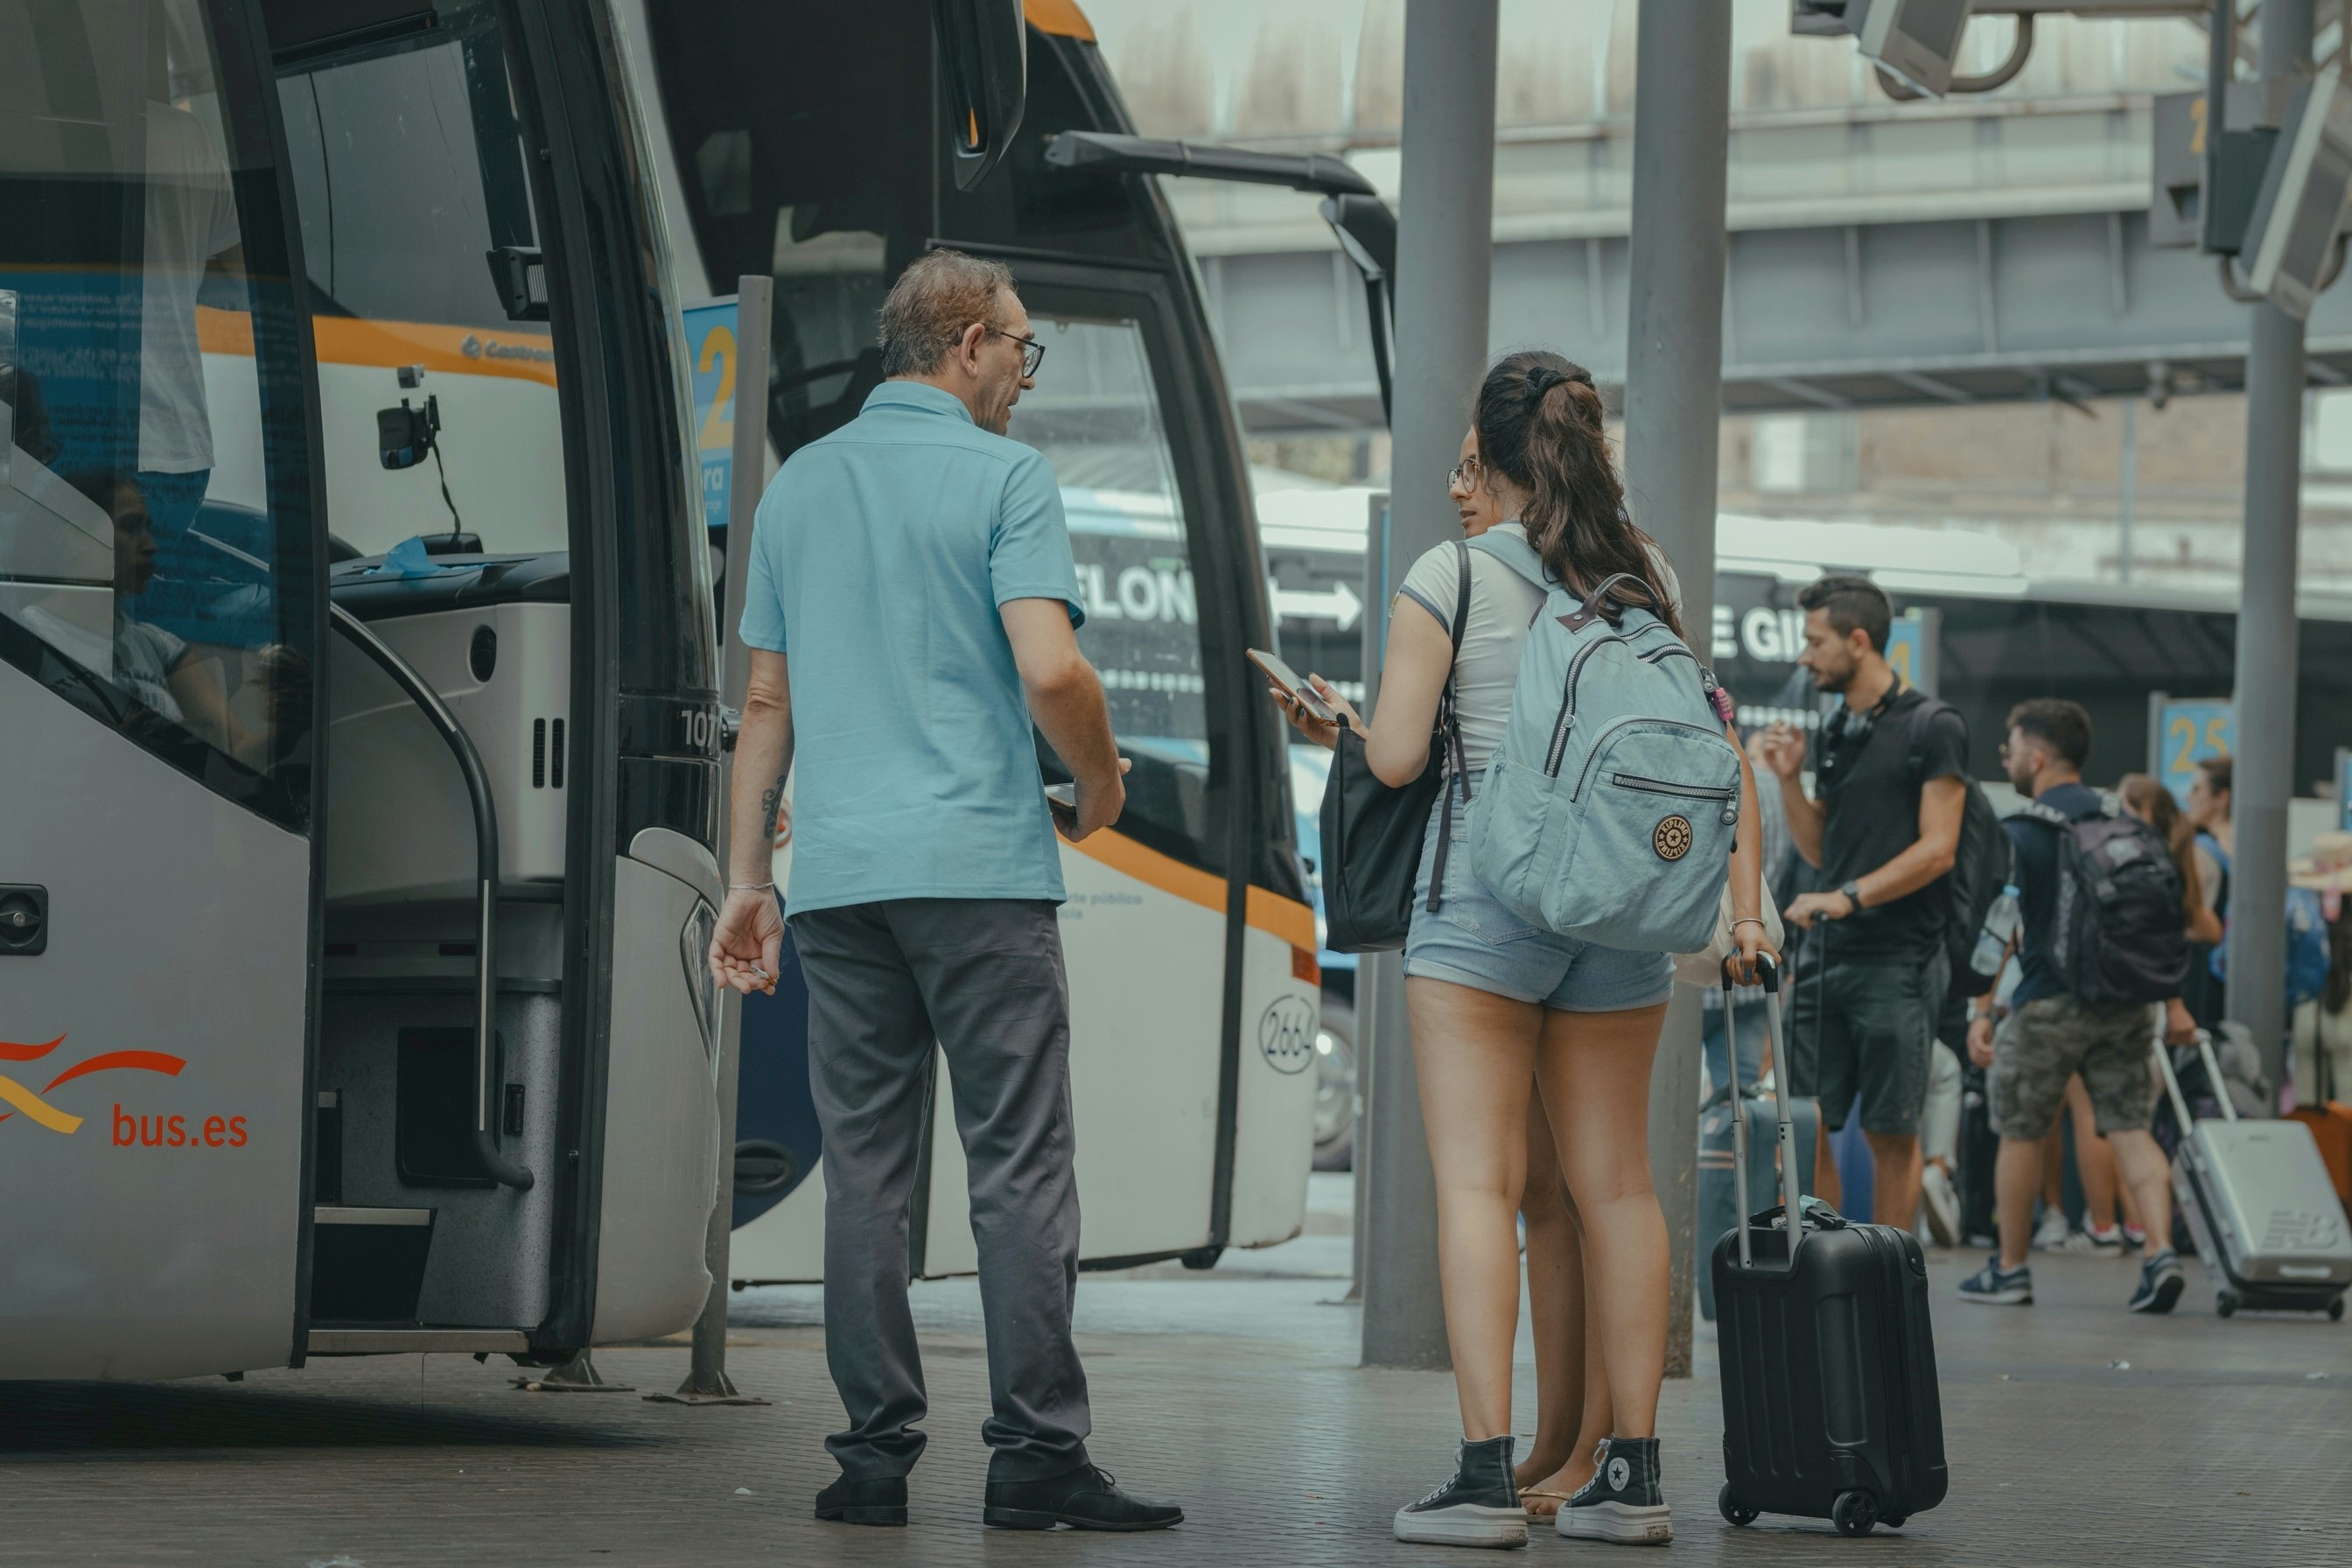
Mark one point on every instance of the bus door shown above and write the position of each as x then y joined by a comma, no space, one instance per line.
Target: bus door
1145,929
161,600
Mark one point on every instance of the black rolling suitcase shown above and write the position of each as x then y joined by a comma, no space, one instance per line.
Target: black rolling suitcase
1830,1406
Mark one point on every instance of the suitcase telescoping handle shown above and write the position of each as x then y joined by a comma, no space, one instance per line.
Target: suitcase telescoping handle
2212,1081
1767,974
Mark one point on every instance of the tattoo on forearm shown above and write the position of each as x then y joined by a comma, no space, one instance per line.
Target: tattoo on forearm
771,801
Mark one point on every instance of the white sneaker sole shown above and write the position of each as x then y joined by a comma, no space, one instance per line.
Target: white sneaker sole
1463,1524
2016,1296
1625,1524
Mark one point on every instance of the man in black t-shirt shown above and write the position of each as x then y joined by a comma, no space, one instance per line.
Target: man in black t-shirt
1884,827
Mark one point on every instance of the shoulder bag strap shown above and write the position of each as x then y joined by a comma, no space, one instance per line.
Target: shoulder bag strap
1448,739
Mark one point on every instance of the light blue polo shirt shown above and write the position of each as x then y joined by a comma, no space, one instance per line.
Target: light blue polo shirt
884,550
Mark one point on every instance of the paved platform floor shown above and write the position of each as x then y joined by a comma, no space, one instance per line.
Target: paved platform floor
1234,1392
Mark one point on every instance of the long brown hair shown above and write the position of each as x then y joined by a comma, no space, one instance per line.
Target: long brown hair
1538,422
2146,794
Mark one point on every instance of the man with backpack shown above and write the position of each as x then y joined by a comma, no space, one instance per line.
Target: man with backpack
1883,827
2100,944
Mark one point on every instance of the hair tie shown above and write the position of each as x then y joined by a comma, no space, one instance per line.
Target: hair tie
1541,379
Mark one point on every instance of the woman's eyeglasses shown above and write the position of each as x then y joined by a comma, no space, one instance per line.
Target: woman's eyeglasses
1033,352
1462,476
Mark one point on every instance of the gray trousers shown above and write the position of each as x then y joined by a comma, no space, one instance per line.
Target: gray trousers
983,977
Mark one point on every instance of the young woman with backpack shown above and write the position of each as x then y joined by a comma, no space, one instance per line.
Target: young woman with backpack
1498,1004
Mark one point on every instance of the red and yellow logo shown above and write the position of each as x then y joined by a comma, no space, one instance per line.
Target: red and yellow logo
49,1116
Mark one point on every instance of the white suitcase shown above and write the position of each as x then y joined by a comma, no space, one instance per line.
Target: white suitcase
2259,1202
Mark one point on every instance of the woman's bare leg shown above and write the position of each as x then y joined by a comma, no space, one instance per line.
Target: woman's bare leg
1474,1053
1572,1383
1595,1069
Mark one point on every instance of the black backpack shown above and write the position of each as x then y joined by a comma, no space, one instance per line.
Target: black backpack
2116,934
1980,868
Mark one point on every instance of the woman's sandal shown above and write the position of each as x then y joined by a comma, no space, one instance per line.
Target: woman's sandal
1558,1499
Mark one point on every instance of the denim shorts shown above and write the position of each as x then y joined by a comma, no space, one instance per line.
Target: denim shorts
1473,941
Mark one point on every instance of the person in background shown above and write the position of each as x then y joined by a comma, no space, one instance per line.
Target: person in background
2049,1037
2320,1047
2214,846
1883,827
926,877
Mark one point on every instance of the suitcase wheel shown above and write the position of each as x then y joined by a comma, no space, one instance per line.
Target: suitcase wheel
1854,1512
2225,1302
1735,1511
2335,1310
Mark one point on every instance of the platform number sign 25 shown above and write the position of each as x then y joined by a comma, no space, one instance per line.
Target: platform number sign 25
2185,731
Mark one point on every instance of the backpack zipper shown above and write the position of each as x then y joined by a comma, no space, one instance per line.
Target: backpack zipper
1663,786
1584,773
1567,697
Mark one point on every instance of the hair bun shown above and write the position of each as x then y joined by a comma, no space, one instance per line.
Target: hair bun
1540,380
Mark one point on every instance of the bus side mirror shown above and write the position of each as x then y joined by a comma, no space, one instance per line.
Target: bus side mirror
984,66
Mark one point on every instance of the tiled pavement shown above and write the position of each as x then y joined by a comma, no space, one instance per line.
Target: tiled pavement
1234,1392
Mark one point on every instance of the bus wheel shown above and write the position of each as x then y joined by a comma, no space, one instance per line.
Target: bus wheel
1335,1086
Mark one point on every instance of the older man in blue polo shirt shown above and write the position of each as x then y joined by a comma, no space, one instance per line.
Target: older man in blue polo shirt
915,568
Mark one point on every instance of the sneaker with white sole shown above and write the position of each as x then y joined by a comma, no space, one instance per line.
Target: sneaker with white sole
1479,1507
1942,1205
1622,1502
2160,1283
2093,1242
2050,1233
2134,1239
1998,1287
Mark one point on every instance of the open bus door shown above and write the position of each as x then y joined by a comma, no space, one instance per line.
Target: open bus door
159,648
352,908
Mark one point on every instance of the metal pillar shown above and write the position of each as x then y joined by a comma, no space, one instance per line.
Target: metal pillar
1674,388
2264,778
1445,254
707,1381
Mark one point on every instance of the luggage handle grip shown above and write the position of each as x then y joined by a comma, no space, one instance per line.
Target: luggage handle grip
1791,1201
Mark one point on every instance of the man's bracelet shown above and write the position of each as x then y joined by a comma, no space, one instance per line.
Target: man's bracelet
752,887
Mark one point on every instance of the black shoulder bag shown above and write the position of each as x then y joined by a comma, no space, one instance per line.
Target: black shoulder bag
1371,833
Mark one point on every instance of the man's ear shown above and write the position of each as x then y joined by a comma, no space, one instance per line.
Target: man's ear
968,345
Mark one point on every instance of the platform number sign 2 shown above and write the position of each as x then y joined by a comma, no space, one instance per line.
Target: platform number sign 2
2184,732
712,350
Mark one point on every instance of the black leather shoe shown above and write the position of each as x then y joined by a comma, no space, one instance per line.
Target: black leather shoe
1083,1499
882,1501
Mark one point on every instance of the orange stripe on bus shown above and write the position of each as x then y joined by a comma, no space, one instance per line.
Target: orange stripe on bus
347,340
1061,18
1264,910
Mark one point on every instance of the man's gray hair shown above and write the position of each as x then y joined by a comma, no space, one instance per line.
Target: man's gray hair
939,295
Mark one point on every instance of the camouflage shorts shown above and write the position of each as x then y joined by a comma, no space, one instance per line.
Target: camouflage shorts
2043,1043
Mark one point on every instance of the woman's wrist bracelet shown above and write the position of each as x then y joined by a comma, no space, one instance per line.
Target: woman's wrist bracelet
768,887
1749,920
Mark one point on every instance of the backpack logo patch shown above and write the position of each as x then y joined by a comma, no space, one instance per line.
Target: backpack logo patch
1672,838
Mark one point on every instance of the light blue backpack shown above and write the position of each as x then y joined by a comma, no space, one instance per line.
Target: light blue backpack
1609,810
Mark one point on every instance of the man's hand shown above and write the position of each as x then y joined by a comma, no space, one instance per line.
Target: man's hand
748,947
1980,1040
1784,751
1099,803
1807,908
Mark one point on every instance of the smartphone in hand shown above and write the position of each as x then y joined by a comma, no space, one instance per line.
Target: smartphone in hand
1062,802
1288,680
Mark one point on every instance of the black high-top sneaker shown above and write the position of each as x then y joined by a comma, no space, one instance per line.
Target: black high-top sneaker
1479,1507
1622,1502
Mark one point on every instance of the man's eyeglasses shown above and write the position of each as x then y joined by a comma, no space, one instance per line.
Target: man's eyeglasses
1462,476
1033,352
